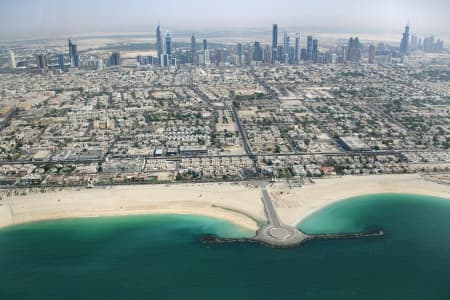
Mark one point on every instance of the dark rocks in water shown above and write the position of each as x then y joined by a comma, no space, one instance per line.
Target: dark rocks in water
214,239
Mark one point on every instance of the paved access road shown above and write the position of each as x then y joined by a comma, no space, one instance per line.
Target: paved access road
271,213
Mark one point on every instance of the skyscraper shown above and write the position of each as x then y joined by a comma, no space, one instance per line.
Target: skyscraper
193,49
315,50
41,62
439,45
354,50
219,56
334,58
286,42
267,59
12,60
168,44
428,44
279,53
309,47
372,54
206,57
239,53
73,55
303,54
297,48
114,59
100,64
275,36
205,44
257,52
61,62
286,45
414,40
292,55
159,42
70,49
274,42
405,42
165,61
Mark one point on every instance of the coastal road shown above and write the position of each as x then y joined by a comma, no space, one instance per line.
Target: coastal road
179,157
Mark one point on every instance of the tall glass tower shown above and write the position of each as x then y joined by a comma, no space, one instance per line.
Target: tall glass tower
159,42
168,44
61,62
286,43
274,42
73,55
309,48
193,49
315,50
239,53
297,48
405,42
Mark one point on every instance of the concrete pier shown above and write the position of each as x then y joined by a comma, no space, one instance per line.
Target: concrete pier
278,235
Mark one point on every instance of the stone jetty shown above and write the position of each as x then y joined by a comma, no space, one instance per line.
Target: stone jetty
278,235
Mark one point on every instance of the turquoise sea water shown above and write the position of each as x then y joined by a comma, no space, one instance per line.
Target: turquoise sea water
160,257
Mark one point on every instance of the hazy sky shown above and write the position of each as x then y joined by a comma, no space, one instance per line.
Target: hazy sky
38,18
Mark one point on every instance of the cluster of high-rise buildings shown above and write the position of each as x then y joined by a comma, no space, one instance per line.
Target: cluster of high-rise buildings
285,53
164,49
411,42
73,59
166,57
282,51
427,44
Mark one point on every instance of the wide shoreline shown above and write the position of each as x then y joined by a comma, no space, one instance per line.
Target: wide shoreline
296,204
237,203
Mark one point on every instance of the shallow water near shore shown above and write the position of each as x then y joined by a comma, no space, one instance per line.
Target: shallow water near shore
160,257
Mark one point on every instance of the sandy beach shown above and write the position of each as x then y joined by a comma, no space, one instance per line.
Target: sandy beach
293,205
237,203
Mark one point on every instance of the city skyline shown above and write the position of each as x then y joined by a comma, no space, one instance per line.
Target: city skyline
259,53
45,17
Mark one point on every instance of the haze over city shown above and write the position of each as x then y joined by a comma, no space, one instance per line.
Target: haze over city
49,18
163,149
